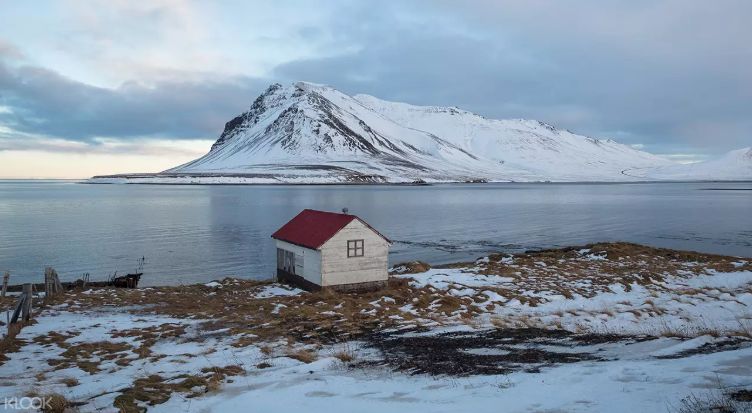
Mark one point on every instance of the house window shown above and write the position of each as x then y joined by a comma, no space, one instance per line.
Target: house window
355,248
286,261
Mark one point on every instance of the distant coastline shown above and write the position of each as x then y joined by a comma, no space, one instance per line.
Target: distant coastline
154,179
261,179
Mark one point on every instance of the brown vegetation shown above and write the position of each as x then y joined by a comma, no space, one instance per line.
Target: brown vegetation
306,356
295,325
592,269
155,389
327,317
89,356
411,267
69,381
55,403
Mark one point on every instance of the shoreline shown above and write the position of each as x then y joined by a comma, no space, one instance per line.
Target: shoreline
93,181
502,324
436,264
125,180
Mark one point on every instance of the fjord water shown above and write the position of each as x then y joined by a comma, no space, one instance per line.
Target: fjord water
191,233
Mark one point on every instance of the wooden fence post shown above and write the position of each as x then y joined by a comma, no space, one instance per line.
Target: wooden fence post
58,284
48,292
6,279
52,284
26,310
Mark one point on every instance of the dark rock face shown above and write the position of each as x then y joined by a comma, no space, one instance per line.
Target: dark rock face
246,119
325,115
230,128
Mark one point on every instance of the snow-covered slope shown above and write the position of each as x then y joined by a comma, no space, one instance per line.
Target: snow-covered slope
308,133
733,166
530,145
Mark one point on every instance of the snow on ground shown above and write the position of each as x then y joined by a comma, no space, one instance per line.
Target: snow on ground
278,290
718,301
621,386
625,335
636,381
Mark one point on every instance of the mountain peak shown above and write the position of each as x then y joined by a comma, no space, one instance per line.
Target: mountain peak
307,86
309,132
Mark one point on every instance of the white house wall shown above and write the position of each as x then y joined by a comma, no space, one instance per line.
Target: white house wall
311,261
338,268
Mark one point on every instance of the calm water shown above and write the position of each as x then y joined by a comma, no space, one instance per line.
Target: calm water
200,233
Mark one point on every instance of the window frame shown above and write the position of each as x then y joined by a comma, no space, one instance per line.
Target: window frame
356,248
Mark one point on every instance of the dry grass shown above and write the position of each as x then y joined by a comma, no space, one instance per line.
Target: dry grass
713,402
412,267
744,329
155,389
10,343
150,335
690,329
89,356
266,350
308,321
55,403
244,340
346,354
54,337
328,317
562,271
70,381
306,356
217,375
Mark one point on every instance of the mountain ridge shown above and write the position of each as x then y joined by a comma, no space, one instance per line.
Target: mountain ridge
311,133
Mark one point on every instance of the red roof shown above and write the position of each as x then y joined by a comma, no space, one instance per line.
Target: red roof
311,228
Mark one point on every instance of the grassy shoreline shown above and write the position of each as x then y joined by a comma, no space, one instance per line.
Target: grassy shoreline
499,316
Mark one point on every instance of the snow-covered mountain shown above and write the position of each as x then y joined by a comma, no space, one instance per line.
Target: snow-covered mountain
733,166
308,133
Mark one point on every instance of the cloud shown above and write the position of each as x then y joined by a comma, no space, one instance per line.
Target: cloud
671,75
44,102
105,43
11,140
10,52
659,70
24,155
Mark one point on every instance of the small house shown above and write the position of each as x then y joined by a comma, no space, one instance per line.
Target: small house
318,249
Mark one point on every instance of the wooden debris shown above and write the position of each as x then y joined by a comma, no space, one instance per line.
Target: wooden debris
22,309
6,279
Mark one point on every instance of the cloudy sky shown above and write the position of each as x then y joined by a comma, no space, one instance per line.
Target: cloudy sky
96,87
